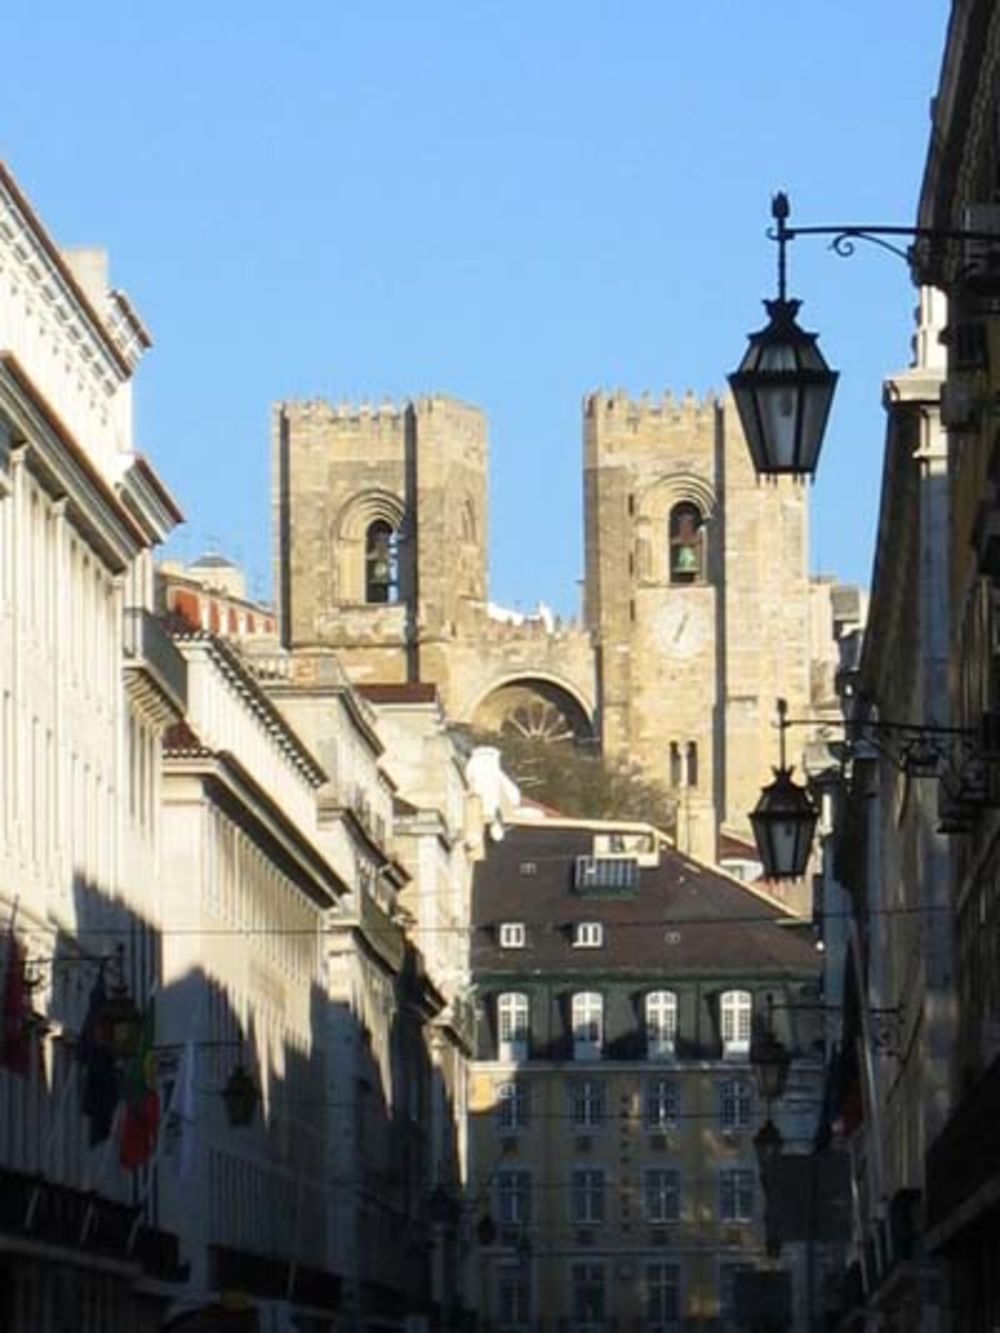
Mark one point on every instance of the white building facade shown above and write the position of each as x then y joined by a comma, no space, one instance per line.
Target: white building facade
249,896
87,683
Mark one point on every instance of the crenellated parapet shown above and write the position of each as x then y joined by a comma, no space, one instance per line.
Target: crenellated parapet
619,404
616,423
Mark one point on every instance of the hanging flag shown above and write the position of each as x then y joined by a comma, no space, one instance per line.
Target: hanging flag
15,1045
179,1112
99,1079
141,1121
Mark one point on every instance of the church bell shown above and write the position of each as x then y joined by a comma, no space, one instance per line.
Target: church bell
685,560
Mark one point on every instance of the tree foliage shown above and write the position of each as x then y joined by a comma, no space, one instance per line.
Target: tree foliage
582,783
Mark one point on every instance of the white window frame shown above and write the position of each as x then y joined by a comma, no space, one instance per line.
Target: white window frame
661,1195
513,1195
588,935
513,1294
513,1106
586,1103
661,1024
587,1279
735,1104
587,1190
513,1025
662,1104
587,1015
661,1277
735,1023
512,935
727,1287
737,1199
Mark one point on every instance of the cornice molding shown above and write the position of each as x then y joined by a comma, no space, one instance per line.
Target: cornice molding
57,457
26,245
229,784
148,500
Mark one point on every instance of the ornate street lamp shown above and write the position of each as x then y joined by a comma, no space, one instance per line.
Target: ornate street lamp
486,1230
770,1059
784,819
119,1021
767,1144
783,387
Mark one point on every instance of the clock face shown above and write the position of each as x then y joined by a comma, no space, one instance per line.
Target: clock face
681,628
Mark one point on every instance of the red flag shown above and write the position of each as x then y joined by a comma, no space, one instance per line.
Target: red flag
141,1122
15,1047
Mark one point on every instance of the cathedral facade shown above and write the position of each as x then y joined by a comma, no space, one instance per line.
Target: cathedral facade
699,609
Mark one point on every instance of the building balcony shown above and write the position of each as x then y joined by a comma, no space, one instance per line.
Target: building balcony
385,935
373,823
155,668
34,1210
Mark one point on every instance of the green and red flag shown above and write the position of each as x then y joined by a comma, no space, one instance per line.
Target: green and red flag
141,1121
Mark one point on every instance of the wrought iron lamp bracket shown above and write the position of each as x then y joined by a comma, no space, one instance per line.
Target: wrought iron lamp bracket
917,748
927,243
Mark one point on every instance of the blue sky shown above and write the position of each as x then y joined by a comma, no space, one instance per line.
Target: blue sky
513,203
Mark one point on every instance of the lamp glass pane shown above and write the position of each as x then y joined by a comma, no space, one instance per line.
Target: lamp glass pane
747,408
785,844
779,411
816,402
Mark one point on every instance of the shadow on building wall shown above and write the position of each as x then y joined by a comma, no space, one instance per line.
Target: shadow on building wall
297,1185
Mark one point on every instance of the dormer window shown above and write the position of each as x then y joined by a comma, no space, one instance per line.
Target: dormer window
588,1025
661,1024
606,875
735,1013
513,1026
588,935
512,935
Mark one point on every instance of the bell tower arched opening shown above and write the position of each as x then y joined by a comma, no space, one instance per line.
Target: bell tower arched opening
687,543
381,562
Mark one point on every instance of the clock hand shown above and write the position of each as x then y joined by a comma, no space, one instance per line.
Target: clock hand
680,628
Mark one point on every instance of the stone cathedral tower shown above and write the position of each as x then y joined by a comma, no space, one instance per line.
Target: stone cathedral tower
698,602
697,598
381,532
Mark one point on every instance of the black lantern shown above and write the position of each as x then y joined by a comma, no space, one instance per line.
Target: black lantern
783,390
767,1144
784,819
118,1022
770,1060
486,1230
121,1021
783,387
783,823
240,1096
